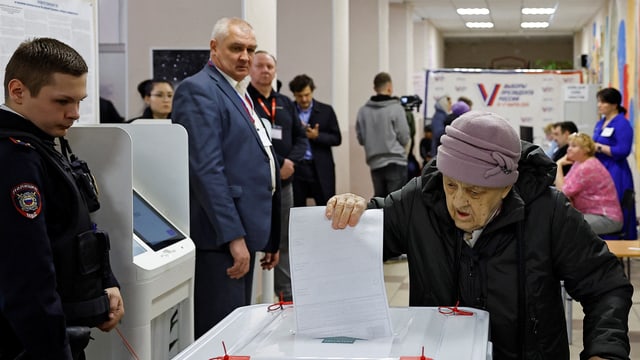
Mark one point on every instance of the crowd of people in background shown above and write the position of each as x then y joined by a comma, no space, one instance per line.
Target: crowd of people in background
386,145
589,188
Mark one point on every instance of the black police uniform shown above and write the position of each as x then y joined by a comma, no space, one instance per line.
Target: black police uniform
54,265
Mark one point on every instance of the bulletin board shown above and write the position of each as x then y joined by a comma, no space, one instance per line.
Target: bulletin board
70,21
175,65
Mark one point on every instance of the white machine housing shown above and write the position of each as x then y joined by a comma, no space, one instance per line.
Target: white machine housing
157,286
255,332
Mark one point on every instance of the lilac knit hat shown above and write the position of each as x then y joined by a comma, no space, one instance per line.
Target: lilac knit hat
459,108
480,148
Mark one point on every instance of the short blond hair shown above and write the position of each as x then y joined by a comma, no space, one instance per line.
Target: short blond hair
585,142
548,129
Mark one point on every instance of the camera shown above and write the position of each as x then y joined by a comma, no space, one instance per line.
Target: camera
410,102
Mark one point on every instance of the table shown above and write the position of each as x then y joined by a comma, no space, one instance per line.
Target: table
625,249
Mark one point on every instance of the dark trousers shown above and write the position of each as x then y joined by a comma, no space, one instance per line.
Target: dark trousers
388,179
306,185
215,294
282,272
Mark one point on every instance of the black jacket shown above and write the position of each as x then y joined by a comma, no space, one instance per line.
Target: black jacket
321,147
46,264
515,268
292,141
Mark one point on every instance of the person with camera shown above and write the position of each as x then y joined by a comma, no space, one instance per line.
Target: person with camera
381,127
411,103
55,277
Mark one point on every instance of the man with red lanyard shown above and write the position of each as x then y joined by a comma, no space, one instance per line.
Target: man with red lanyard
289,142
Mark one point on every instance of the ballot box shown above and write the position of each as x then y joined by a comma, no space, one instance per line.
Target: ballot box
269,333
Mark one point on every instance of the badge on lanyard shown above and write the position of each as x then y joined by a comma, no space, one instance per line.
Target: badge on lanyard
276,132
26,199
607,132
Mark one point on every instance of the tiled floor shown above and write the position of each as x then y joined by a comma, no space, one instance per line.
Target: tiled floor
397,285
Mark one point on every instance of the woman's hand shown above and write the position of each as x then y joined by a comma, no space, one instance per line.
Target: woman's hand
564,161
345,209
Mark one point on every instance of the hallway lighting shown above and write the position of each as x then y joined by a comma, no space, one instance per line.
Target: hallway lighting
538,11
473,11
479,25
534,25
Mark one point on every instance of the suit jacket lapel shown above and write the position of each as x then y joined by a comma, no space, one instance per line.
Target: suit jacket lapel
231,93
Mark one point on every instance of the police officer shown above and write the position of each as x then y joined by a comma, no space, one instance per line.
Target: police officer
54,264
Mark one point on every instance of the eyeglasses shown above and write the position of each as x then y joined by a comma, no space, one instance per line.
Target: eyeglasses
162,95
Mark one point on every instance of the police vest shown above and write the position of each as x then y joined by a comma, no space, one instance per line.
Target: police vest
81,253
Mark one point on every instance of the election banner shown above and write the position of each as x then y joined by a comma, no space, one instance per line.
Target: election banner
528,99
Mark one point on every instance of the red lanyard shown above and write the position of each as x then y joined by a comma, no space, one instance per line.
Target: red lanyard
271,114
247,108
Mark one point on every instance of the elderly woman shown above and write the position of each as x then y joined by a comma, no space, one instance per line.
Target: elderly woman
482,226
589,186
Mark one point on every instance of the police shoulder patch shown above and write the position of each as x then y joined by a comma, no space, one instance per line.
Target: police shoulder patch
20,142
26,199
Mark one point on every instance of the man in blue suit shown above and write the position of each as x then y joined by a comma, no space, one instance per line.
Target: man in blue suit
233,175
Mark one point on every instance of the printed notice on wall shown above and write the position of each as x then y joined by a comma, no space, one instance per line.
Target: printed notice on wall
70,21
576,92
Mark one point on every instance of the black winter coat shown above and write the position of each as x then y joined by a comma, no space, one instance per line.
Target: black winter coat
516,266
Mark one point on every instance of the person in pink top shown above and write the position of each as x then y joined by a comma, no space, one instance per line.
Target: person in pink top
589,186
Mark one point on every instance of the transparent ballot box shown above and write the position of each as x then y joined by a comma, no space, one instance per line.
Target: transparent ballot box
262,332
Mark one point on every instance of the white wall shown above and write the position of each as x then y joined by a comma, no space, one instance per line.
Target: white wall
401,47
262,15
340,90
305,44
313,40
428,46
167,25
368,36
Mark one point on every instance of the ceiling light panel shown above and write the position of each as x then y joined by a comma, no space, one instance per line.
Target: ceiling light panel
538,11
534,25
473,11
479,25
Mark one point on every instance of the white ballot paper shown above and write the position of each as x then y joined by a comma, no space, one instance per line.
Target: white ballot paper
337,276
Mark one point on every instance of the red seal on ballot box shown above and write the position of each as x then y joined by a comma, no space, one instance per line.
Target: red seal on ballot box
421,357
229,357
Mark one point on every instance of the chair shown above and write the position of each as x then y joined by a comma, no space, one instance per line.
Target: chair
628,203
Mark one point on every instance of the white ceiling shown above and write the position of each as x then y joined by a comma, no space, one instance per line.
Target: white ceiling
570,16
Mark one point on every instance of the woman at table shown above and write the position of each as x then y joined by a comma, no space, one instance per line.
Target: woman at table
589,186
613,136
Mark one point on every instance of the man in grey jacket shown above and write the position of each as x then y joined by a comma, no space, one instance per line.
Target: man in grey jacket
382,129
